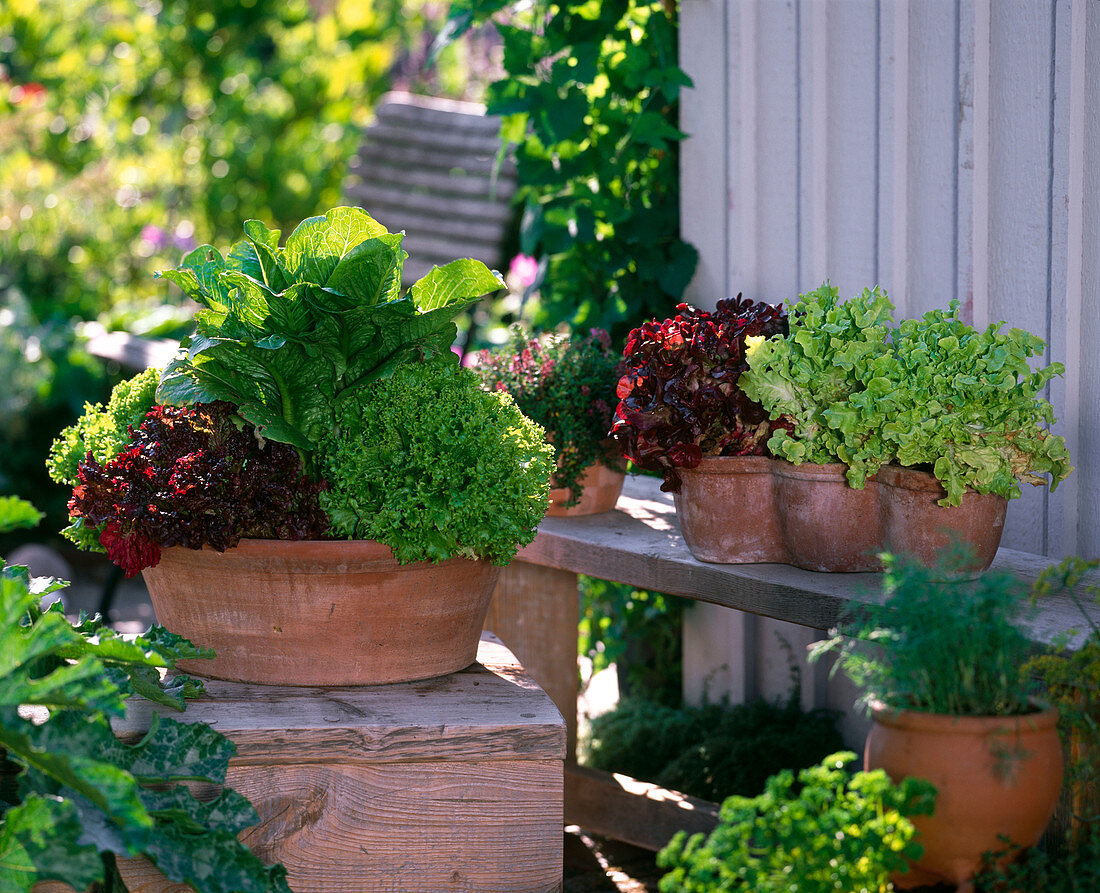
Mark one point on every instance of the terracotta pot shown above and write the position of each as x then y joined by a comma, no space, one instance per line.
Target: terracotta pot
727,510
915,523
600,489
994,775
740,510
827,525
322,612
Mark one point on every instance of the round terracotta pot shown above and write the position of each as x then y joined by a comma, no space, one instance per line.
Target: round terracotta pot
826,524
994,775
915,523
321,612
726,509
600,489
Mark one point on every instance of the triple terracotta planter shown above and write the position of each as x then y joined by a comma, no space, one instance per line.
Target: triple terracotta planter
749,509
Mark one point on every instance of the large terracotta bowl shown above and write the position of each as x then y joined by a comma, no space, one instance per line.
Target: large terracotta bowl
321,612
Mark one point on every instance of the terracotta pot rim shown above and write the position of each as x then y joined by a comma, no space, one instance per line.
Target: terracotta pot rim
1042,717
729,465
372,551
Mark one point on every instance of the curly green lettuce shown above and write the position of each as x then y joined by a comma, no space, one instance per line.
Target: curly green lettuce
435,467
102,431
931,392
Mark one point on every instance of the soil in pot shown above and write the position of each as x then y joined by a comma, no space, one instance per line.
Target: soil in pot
996,777
322,612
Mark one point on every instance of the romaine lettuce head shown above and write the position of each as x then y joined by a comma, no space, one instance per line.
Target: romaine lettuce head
284,332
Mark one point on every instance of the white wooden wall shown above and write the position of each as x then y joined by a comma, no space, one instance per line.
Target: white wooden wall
939,148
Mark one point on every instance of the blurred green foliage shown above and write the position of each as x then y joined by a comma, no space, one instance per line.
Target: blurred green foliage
133,130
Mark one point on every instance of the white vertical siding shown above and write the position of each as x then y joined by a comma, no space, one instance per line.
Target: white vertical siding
941,148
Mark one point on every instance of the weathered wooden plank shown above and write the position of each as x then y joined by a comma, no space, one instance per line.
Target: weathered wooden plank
132,351
491,710
461,142
535,611
640,543
637,812
367,194
418,156
450,182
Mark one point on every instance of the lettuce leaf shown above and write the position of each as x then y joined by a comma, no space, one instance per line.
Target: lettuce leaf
284,333
933,392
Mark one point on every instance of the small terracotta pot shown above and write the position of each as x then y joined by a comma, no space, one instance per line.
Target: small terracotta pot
727,510
745,509
915,523
321,612
600,489
826,524
995,776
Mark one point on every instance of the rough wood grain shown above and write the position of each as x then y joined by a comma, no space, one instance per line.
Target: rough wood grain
413,788
535,612
636,812
492,710
640,543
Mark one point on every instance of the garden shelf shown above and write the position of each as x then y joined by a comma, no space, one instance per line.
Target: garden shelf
535,611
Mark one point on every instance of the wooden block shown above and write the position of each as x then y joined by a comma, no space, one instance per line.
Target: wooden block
535,610
449,784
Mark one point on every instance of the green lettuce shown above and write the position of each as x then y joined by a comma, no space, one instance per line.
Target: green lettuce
934,392
285,333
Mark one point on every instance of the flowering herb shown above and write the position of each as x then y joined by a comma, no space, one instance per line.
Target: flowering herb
567,385
679,398
192,477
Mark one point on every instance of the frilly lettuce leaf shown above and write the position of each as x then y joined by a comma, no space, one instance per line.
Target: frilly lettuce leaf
285,332
931,392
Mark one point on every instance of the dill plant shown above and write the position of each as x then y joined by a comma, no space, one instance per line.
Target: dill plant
940,641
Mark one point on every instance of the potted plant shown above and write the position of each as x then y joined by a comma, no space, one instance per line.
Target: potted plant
681,413
565,383
829,829
316,472
934,423
940,660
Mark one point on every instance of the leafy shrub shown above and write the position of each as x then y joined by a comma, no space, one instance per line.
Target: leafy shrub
590,100
433,465
566,385
828,830
75,797
932,392
939,642
712,751
679,394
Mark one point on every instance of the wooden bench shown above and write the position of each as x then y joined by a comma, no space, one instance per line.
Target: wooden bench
429,167
535,611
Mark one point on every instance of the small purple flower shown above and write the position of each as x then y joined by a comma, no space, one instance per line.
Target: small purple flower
154,235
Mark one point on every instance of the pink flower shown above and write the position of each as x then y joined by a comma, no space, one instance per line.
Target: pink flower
525,269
